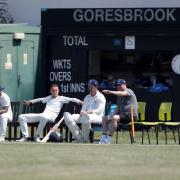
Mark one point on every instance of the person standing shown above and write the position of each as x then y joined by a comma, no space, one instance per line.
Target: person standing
54,103
126,99
92,112
5,113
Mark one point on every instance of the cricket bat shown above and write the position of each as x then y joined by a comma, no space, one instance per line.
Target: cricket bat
54,128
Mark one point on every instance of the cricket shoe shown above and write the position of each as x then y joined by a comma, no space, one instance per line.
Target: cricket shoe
2,139
24,139
104,142
104,139
37,139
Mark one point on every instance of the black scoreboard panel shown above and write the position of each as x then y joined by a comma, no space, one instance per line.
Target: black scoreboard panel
69,34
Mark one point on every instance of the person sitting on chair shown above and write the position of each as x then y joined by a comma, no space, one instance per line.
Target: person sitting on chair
5,113
125,101
91,112
54,103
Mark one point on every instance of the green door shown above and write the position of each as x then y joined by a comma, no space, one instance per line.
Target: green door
8,71
17,69
25,74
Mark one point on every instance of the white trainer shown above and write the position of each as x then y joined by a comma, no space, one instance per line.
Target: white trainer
103,139
24,139
2,139
37,139
108,140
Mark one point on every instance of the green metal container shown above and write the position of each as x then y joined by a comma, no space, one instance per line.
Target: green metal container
19,54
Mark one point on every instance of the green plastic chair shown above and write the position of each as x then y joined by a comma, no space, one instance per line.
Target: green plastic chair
141,112
145,125
165,112
166,120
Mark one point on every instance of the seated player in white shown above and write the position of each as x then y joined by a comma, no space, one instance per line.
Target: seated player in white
54,103
5,113
91,112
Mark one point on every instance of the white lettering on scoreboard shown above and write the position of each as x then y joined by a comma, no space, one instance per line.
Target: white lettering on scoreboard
73,87
125,15
62,73
74,40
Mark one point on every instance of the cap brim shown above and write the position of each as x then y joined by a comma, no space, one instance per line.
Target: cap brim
119,84
96,85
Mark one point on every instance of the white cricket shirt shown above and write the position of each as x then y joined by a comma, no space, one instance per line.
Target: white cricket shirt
96,103
5,102
54,105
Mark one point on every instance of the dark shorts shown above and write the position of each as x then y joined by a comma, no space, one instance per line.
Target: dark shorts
126,118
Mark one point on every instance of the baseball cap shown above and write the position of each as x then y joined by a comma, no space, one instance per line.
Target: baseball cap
93,82
119,82
1,88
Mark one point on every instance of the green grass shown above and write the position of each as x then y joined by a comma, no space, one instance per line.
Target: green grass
124,138
30,161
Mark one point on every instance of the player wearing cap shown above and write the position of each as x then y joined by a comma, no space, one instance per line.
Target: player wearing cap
91,112
5,113
125,101
54,103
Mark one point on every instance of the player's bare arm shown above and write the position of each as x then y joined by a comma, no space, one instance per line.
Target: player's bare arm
116,93
28,102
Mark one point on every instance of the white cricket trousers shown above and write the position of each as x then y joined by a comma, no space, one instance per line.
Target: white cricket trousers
4,118
42,118
71,121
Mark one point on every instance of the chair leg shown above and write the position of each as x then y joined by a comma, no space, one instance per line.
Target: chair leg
91,135
32,132
148,136
116,136
142,135
15,132
9,133
178,135
174,135
67,132
130,135
157,131
165,134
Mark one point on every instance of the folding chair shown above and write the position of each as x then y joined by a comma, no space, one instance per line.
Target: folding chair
166,120
14,123
146,125
130,128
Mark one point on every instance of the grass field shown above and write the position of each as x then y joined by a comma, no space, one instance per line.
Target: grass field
30,161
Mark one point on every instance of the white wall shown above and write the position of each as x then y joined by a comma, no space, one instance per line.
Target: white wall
30,10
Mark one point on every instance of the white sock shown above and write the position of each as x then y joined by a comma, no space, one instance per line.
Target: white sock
109,138
104,136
